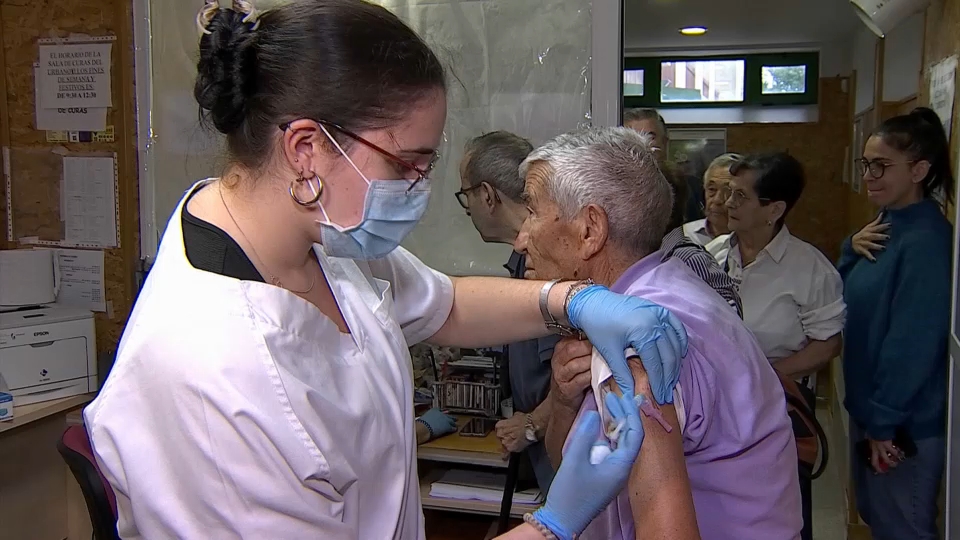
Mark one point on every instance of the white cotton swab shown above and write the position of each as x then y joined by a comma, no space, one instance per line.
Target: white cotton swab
599,453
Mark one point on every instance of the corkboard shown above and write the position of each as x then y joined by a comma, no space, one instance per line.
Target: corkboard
823,203
941,39
22,23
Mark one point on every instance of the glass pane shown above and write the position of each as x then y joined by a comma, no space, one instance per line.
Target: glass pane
633,82
784,79
705,80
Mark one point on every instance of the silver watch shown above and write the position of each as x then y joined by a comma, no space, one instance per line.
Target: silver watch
530,430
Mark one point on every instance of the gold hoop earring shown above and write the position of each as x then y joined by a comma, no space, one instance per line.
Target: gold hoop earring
317,192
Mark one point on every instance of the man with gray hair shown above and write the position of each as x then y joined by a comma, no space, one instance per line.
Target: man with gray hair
651,122
720,459
490,192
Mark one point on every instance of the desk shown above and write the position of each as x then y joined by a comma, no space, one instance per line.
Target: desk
39,498
476,451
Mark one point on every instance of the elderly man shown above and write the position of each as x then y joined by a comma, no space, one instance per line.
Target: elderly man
598,208
650,121
490,192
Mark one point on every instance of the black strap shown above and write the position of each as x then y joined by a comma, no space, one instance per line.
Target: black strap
509,486
802,406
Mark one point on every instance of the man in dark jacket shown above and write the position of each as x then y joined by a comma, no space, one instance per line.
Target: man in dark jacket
490,192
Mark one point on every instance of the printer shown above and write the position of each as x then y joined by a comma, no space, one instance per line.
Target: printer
48,352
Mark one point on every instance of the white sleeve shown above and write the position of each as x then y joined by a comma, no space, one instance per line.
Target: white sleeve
719,247
422,297
218,458
823,311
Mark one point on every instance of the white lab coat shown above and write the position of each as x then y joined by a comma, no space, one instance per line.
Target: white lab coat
236,409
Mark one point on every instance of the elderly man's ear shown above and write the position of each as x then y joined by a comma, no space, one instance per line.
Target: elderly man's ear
488,196
593,229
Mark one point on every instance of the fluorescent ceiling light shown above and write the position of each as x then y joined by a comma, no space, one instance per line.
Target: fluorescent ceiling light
693,30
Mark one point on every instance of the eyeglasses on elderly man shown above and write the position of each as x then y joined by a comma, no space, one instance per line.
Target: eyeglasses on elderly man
599,207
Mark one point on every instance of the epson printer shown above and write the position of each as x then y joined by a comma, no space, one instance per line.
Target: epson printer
48,352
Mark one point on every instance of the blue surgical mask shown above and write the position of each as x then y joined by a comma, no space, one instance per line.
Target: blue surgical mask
391,209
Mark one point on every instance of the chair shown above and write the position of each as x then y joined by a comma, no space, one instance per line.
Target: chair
74,446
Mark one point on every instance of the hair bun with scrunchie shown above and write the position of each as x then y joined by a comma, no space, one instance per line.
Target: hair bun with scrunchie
227,67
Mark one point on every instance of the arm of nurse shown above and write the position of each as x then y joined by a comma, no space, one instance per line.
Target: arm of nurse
660,496
489,311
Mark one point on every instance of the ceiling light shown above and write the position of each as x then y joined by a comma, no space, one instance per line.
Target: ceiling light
693,30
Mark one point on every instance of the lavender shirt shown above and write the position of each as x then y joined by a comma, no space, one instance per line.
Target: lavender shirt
738,443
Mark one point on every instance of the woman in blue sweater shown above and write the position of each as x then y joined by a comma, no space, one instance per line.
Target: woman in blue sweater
896,283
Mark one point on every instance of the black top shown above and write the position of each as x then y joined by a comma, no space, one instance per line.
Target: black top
211,249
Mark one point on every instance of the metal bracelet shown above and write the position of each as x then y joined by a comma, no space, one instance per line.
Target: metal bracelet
548,319
540,527
572,291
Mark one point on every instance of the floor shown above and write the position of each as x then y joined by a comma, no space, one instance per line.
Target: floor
829,517
829,510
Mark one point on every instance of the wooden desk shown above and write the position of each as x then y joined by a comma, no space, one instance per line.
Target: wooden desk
477,451
39,498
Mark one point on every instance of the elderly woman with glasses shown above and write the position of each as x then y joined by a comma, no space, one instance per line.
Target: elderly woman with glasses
716,189
598,207
792,295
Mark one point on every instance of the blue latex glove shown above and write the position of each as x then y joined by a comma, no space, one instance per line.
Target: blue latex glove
580,490
614,322
438,423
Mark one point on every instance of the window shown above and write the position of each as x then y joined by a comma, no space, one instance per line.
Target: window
707,80
722,81
633,82
784,79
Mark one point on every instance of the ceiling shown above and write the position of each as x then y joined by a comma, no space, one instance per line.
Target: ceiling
735,24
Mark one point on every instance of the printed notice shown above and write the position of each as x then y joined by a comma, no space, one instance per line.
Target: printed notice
67,118
88,204
81,279
75,75
943,79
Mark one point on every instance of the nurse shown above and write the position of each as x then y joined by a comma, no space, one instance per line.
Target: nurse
263,385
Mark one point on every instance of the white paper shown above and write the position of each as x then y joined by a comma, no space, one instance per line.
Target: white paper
943,78
75,75
81,279
66,118
89,201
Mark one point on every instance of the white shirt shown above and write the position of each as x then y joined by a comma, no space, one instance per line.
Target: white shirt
236,409
697,231
791,293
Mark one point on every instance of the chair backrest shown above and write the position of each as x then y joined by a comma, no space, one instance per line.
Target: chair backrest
101,501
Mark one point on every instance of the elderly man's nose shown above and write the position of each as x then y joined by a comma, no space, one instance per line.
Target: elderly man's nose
520,244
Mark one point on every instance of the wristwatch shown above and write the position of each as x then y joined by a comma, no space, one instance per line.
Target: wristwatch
530,429
549,320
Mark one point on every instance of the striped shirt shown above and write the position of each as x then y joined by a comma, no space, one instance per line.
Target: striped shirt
678,246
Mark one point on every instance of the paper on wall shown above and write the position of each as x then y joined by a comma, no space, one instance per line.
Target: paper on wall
76,75
66,118
89,201
81,279
943,79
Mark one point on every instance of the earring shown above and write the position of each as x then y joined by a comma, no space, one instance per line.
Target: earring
317,191
769,223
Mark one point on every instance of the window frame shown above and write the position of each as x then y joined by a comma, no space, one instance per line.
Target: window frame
752,80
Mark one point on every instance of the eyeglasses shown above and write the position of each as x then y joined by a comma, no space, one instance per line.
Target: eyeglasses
738,197
422,172
462,196
877,168
464,200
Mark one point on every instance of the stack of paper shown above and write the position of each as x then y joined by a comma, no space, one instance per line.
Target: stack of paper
479,486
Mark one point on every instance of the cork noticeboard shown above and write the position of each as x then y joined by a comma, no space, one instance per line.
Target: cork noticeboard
35,179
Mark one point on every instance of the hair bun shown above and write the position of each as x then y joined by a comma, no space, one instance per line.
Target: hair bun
227,67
